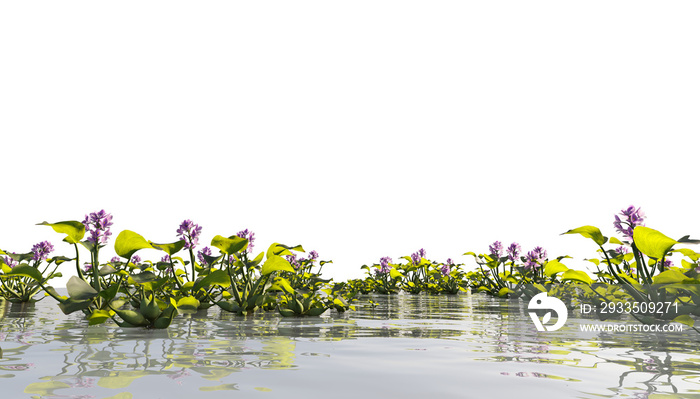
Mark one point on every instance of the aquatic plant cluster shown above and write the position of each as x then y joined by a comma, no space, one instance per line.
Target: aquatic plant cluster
142,293
145,293
636,270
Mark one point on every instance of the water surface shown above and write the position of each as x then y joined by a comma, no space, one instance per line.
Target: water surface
407,346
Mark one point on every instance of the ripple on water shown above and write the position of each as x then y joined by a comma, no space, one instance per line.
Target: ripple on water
408,345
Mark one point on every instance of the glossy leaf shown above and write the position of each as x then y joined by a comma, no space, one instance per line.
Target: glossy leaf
652,243
591,232
188,303
70,305
166,317
98,316
553,267
79,290
275,263
128,242
171,248
576,275
669,277
73,229
26,271
395,273
230,245
614,240
132,317
216,278
281,249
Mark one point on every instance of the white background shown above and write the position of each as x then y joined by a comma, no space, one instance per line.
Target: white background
360,129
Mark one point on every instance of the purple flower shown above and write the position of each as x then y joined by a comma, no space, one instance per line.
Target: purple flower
189,232
97,226
667,263
293,260
87,267
41,250
621,250
135,260
115,259
416,257
421,252
248,235
496,249
165,259
384,264
313,255
513,251
631,218
535,258
446,267
201,253
10,262
541,253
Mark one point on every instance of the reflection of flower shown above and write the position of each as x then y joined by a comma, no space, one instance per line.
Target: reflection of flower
82,382
178,375
17,367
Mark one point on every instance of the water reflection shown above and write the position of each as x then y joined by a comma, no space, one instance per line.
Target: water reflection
50,355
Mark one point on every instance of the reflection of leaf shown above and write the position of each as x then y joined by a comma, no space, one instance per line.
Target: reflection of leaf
224,387
45,388
121,380
122,395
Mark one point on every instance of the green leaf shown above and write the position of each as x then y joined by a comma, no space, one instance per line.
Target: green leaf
282,284
229,306
166,317
145,277
132,317
591,232
231,245
652,243
70,305
316,311
74,230
171,248
553,267
98,316
685,319
281,249
669,277
149,309
128,242
216,278
26,271
576,275
614,240
188,303
274,263
79,290
395,273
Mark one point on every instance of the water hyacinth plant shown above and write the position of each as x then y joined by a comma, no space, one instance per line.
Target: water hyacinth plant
134,291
